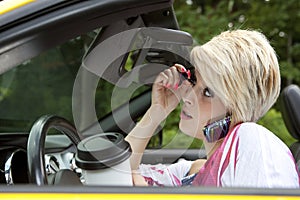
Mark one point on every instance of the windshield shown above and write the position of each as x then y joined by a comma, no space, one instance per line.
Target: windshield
44,85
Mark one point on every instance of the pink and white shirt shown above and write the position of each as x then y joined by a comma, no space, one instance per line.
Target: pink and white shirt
250,156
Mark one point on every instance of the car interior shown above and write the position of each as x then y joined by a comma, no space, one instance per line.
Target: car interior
290,100
119,52
73,69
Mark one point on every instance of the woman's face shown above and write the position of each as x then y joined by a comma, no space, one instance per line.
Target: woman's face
200,107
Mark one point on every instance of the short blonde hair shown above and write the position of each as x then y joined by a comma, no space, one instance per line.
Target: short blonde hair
241,67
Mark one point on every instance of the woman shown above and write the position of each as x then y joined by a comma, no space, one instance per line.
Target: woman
237,82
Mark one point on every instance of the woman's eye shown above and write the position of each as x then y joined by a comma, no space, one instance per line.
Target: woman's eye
207,92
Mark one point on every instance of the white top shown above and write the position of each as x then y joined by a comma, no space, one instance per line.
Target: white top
250,156
258,159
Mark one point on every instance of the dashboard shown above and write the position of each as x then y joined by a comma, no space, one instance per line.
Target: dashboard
59,154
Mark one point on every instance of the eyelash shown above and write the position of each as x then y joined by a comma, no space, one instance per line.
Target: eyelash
207,92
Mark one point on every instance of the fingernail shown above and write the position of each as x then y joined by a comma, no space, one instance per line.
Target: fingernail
188,72
182,69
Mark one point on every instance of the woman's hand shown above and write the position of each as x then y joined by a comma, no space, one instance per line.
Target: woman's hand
165,97
166,91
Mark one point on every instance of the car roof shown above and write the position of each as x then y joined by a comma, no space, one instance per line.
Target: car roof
30,28
51,12
14,10
17,11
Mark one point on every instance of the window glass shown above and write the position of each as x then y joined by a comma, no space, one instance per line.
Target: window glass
42,85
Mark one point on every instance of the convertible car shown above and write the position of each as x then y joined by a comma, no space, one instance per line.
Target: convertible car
76,74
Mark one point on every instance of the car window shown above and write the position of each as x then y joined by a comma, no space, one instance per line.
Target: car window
45,85
41,85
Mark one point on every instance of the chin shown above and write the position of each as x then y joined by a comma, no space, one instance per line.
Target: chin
187,129
191,130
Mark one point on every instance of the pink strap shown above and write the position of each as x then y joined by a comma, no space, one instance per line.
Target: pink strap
227,158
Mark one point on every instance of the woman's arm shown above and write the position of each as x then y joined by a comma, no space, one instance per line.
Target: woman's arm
139,137
165,98
167,175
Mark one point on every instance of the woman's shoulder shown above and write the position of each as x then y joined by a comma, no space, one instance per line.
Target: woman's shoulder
247,131
251,129
251,134
254,150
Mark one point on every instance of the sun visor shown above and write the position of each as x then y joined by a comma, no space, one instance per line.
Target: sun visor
137,54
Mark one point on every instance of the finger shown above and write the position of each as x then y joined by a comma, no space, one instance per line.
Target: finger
184,88
170,78
176,77
161,79
180,68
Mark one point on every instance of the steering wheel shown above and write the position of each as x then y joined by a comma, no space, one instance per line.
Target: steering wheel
36,144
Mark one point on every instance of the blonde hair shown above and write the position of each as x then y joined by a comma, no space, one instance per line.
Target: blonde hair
241,67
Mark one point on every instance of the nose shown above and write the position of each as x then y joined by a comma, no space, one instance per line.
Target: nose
186,94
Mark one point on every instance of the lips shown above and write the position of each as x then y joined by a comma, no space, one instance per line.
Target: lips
185,115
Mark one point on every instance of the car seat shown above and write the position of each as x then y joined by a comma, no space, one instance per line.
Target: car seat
290,103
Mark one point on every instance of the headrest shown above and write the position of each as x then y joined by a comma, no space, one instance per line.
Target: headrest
291,109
